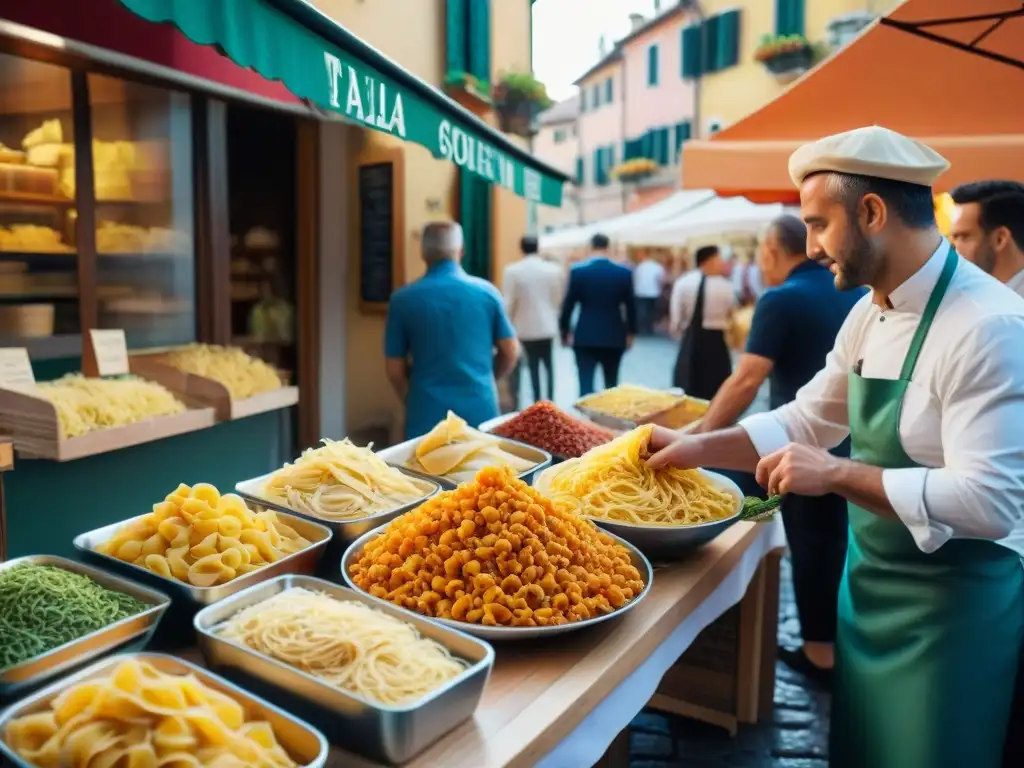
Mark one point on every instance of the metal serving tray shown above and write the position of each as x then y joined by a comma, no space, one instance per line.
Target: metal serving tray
305,744
496,634
665,543
614,422
344,531
304,561
380,732
16,680
399,454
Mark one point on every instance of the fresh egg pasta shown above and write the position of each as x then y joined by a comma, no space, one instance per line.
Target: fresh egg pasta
137,716
203,538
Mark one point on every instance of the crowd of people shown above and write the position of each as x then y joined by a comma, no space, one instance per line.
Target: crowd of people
897,402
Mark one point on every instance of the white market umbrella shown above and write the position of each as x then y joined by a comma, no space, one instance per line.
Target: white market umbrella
717,216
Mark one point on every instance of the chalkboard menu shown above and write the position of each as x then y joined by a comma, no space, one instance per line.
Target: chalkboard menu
377,234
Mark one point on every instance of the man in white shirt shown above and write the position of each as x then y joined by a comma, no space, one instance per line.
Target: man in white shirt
927,379
533,294
699,309
648,277
988,228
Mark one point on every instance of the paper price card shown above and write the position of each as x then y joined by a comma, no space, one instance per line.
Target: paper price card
110,351
15,368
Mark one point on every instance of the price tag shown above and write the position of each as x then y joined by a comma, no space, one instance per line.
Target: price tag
15,368
110,351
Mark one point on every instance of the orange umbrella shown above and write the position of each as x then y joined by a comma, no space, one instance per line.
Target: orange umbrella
944,71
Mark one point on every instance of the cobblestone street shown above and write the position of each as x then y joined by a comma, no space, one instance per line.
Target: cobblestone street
797,737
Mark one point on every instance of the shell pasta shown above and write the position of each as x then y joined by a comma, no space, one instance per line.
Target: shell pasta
200,537
139,717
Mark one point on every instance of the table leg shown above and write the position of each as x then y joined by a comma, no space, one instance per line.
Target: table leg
617,754
770,639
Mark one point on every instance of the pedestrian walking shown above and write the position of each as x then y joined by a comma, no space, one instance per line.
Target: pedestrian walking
648,278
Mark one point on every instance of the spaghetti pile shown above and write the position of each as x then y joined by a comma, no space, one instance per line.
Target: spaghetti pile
346,644
341,481
546,426
613,482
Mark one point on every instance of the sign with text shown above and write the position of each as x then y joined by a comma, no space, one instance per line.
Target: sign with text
16,368
109,353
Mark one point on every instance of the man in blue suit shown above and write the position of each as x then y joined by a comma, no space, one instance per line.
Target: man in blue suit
607,322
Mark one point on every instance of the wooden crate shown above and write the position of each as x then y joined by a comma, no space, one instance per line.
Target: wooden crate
209,392
31,422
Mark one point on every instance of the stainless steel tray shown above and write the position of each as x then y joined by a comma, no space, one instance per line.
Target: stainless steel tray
305,744
31,673
665,543
399,454
387,733
345,531
508,633
304,561
614,422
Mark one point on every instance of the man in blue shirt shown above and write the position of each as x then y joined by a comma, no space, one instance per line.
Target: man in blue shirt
447,339
603,290
794,327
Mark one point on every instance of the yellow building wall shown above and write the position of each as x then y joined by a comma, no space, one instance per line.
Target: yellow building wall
413,34
736,92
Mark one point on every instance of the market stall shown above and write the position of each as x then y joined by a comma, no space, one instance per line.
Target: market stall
899,56
718,217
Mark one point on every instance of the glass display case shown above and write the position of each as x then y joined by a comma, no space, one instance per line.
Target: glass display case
38,254
142,168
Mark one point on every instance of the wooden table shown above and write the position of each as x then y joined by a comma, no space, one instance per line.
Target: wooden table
540,692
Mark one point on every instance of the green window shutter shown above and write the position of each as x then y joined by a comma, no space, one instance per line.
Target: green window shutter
596,93
661,147
647,145
479,39
652,65
789,17
598,167
610,155
691,51
727,48
608,92
683,132
456,24
475,217
709,47
579,171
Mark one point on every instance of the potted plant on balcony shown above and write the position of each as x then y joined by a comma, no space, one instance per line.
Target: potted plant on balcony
463,82
782,54
637,169
518,98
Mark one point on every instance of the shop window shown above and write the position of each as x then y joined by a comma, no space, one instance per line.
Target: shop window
789,17
468,47
142,168
38,251
476,218
652,66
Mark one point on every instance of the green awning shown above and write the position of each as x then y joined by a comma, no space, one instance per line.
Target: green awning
320,61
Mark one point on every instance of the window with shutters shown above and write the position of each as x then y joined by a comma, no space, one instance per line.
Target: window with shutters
468,41
789,17
580,171
652,65
691,54
609,156
475,216
709,45
608,92
727,40
595,95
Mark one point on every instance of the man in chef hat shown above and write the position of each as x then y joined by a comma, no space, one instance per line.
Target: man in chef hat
927,378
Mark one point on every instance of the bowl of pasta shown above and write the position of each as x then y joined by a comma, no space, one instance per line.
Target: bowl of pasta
137,708
496,559
664,512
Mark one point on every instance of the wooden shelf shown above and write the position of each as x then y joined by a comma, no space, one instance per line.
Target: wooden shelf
31,198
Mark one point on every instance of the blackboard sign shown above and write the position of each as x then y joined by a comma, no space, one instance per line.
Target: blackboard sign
377,232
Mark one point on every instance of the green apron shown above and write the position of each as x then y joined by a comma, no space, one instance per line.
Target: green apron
928,644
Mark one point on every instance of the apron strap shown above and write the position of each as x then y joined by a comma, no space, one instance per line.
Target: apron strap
931,308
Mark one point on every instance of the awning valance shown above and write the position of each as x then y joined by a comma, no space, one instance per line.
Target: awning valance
931,69
319,60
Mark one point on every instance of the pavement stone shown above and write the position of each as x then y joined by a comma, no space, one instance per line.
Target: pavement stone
797,736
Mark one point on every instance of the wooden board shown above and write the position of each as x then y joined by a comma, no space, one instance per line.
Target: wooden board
31,423
539,692
209,392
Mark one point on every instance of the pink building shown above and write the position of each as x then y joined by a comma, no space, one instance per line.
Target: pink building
600,137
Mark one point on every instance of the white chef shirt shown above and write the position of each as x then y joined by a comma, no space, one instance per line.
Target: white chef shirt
719,301
1016,283
963,414
533,294
647,278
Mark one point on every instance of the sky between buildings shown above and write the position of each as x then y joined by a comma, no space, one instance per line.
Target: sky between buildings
566,34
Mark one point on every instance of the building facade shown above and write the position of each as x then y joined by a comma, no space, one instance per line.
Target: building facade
599,137
557,142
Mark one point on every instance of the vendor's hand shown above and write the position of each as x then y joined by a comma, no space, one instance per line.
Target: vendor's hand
672,449
799,469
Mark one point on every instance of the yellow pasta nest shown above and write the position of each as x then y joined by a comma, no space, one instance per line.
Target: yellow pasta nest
630,402
496,552
202,538
136,715
85,405
613,482
243,375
